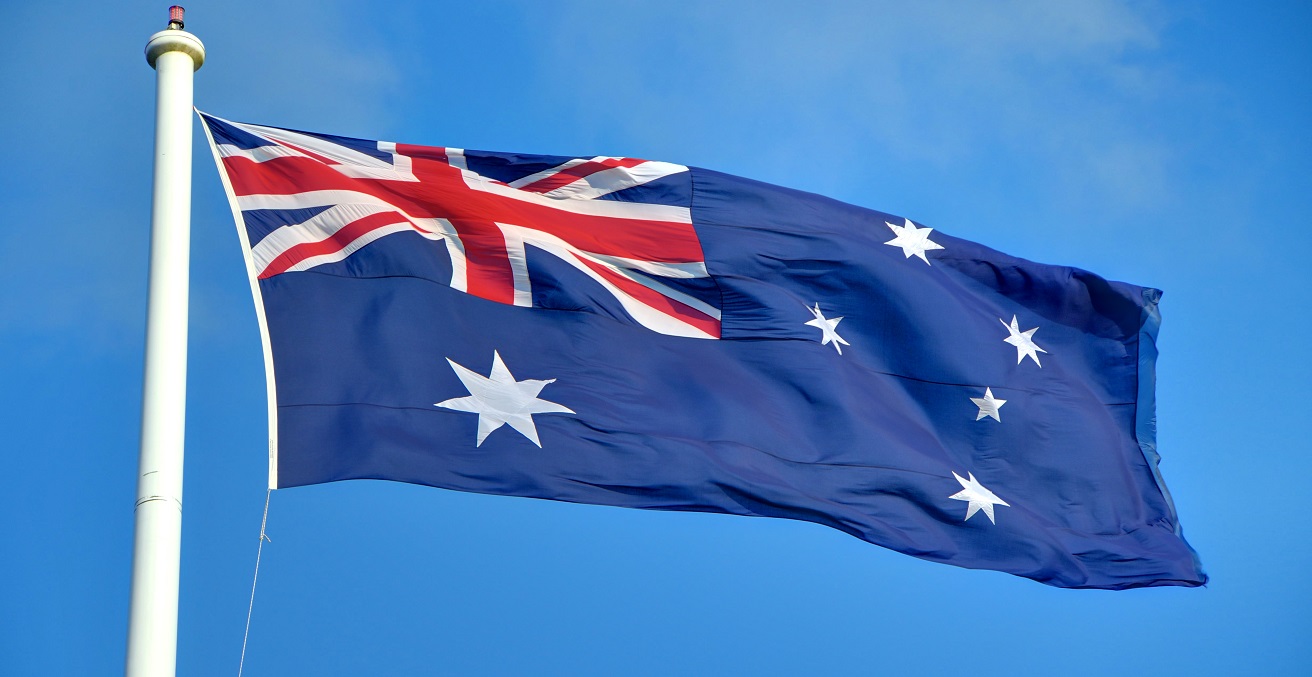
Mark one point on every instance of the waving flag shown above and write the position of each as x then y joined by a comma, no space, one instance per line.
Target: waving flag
626,332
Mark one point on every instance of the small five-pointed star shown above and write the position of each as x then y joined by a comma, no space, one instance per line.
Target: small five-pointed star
977,496
1025,346
988,405
913,241
499,399
828,329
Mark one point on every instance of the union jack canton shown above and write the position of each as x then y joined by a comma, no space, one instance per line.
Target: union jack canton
361,193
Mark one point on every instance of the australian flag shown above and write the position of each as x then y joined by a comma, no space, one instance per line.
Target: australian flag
625,332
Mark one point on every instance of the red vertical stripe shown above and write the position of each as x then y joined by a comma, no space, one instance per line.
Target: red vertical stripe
487,263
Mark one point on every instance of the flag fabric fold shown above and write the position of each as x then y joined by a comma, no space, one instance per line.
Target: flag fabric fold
625,332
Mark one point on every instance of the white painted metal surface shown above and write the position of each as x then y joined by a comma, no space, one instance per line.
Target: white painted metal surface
153,622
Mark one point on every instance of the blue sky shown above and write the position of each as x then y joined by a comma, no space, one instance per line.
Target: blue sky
1164,144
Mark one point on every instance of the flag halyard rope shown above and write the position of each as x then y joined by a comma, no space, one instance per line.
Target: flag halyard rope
264,521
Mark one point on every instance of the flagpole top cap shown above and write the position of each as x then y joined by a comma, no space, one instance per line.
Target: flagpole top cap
175,40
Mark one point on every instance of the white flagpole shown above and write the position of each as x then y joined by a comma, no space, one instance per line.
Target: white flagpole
153,620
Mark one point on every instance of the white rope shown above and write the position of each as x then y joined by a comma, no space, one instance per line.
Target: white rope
263,537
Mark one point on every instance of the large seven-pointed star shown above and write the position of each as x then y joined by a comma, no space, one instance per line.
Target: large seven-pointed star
828,329
913,241
977,496
1023,340
499,399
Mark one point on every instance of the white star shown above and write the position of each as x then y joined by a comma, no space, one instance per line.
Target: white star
988,405
828,329
913,241
977,496
499,399
1025,346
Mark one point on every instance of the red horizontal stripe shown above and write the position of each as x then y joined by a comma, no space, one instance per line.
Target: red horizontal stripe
663,241
283,176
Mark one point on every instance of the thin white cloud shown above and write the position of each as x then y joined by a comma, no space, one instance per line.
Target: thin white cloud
934,83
